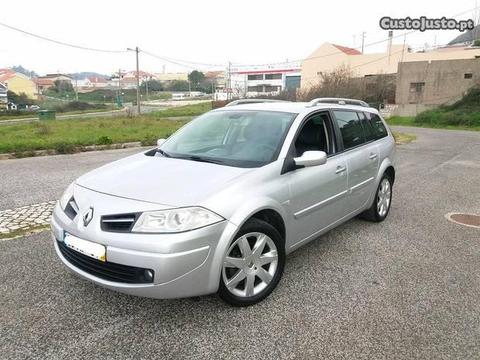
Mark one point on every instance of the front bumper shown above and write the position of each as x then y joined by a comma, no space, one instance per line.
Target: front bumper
185,264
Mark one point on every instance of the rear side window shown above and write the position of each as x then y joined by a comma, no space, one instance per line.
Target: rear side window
350,128
378,127
369,130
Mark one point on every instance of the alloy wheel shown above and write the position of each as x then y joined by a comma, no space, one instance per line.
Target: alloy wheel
250,264
384,197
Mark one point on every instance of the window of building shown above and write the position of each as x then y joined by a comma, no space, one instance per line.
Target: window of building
467,75
255,89
269,88
273,76
255,77
417,87
350,128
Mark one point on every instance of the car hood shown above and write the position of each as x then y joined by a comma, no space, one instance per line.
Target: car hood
161,180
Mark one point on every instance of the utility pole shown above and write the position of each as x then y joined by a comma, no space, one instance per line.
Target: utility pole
76,88
363,40
229,89
146,89
137,50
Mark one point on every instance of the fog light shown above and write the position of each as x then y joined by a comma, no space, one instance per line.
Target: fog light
148,275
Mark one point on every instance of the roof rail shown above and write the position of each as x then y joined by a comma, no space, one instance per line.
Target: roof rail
338,101
253,101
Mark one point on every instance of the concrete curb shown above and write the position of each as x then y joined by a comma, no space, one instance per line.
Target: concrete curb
77,149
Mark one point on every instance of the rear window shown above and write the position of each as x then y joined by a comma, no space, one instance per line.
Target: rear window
350,128
379,128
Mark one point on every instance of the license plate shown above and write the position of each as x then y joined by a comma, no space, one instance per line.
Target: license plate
88,248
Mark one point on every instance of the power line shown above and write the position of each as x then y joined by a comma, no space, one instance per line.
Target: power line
358,47
182,63
58,42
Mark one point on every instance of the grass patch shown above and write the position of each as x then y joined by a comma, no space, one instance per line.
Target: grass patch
412,121
187,110
67,136
108,95
462,115
402,138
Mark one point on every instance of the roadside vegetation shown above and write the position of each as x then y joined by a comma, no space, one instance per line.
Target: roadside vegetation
462,115
187,110
68,136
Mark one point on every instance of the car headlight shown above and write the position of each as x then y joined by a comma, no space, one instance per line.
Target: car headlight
67,195
175,220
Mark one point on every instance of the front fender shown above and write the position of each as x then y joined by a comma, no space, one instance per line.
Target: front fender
235,223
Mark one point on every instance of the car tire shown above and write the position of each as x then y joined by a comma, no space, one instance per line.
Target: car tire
252,265
383,195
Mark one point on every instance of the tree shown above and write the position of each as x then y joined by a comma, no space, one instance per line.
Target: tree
20,69
178,85
62,86
196,79
153,85
476,42
19,99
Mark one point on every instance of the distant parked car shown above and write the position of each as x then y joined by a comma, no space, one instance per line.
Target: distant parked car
218,205
34,108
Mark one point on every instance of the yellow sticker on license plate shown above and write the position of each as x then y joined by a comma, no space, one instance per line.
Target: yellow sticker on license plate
88,248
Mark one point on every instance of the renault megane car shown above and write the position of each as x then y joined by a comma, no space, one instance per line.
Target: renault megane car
218,205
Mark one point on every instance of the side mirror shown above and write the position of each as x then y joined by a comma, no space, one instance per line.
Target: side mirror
311,158
160,142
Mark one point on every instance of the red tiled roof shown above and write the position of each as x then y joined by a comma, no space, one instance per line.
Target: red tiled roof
97,80
347,50
6,74
44,82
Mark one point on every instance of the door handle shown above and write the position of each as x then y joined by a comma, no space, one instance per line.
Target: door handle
340,169
372,156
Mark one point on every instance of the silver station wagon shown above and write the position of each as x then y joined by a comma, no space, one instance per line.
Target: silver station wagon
218,205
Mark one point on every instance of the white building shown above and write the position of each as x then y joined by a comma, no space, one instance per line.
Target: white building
266,80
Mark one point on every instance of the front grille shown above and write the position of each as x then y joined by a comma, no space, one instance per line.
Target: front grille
71,209
106,270
118,223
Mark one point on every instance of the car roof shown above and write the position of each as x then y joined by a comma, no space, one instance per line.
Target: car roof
295,107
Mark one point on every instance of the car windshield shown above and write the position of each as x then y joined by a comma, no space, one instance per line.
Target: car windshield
231,137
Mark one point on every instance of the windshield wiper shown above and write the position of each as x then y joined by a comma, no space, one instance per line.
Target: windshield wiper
164,153
202,159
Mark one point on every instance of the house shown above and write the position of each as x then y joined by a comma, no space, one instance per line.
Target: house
43,84
3,96
216,78
167,78
96,82
263,80
18,83
59,77
330,56
129,79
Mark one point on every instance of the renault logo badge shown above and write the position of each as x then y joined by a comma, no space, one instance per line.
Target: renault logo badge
88,216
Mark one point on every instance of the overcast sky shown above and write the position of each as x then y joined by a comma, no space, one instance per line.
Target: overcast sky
206,31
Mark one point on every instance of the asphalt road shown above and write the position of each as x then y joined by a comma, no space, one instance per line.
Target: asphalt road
406,288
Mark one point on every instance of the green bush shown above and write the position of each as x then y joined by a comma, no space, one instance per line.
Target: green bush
78,106
463,113
149,140
104,140
64,148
